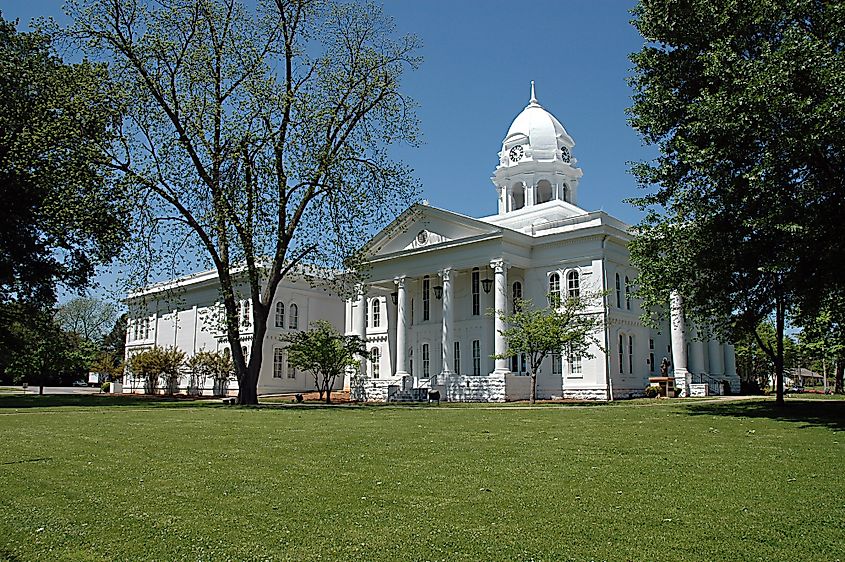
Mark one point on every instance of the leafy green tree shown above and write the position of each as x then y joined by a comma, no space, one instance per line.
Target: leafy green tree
823,336
62,211
258,137
754,361
213,365
744,102
568,328
156,363
109,366
89,317
41,353
325,353
114,343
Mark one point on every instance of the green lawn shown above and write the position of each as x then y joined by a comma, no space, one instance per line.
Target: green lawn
100,478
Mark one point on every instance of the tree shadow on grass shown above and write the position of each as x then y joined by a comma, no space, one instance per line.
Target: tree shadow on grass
98,401
806,413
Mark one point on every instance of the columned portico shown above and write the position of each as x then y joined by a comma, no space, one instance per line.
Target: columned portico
401,328
447,336
679,344
500,270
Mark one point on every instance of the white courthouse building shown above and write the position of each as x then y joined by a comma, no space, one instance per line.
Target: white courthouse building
435,275
187,314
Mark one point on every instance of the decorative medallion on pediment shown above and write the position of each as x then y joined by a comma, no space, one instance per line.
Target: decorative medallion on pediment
425,238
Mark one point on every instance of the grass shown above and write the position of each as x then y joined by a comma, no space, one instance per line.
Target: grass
99,478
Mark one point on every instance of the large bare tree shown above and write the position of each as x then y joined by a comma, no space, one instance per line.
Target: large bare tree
257,139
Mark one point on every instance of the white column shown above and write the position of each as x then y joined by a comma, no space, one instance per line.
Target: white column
348,321
696,358
730,368
448,325
401,328
500,303
679,344
716,356
361,324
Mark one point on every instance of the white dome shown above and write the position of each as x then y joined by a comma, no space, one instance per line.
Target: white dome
540,129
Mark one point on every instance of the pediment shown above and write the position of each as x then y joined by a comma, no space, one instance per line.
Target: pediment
422,227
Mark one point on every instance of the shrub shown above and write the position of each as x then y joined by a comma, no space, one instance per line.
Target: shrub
105,386
652,391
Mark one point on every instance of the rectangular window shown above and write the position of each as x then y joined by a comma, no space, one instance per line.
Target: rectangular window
651,354
245,316
425,361
457,358
425,298
618,292
278,362
630,354
575,366
557,363
291,371
621,353
476,357
476,296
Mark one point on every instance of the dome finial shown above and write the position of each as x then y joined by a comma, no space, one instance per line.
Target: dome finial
533,97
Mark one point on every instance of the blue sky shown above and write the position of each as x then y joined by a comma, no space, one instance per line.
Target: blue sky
480,56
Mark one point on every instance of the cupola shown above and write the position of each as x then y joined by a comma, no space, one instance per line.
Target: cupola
536,163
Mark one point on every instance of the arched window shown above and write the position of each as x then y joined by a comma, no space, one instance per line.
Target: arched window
293,323
376,313
518,196
280,315
573,284
630,354
554,289
618,292
627,293
544,191
245,351
517,295
374,362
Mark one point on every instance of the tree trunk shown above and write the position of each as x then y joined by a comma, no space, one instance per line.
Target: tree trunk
248,386
837,382
780,314
533,386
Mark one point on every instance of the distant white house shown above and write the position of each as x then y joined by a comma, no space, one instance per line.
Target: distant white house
186,313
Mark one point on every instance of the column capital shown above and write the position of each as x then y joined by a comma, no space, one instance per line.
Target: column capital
399,280
499,265
361,290
445,273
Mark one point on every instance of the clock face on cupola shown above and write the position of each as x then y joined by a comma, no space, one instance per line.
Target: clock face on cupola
536,164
